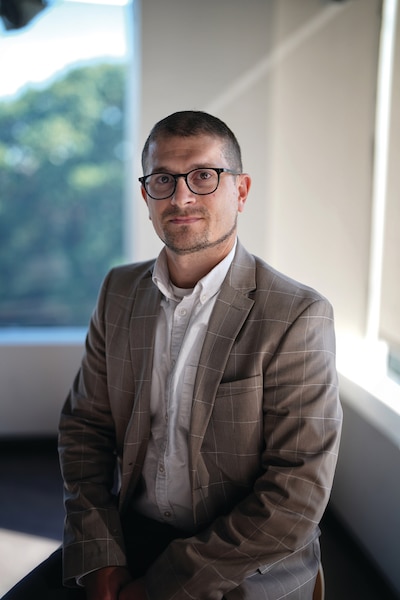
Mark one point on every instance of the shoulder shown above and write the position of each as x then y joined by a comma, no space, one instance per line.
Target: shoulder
120,288
290,298
255,273
272,288
275,281
122,283
125,278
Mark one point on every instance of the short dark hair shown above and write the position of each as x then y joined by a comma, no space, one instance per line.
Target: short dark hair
194,122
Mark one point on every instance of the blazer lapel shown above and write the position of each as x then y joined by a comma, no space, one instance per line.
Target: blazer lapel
230,312
142,331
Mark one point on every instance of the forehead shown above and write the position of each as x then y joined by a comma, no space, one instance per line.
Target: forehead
177,153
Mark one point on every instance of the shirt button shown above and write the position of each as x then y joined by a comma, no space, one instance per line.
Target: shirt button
203,298
161,468
182,312
167,514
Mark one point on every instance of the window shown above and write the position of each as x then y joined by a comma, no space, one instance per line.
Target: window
384,317
390,317
62,154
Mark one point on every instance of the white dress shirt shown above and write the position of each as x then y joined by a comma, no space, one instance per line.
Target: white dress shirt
165,493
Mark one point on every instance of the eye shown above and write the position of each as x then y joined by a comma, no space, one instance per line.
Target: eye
203,178
162,179
203,174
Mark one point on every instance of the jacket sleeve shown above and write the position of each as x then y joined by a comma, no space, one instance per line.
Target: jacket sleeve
302,423
87,449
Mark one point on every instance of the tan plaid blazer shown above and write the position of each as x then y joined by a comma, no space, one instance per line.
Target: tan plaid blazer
263,440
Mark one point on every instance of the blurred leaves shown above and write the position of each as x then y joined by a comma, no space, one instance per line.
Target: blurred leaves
61,196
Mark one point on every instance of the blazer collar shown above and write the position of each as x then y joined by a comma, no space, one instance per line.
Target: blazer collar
231,309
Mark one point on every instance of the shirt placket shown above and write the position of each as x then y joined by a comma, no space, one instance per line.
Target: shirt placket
180,320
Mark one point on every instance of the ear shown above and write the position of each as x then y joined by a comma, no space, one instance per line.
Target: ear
244,184
144,196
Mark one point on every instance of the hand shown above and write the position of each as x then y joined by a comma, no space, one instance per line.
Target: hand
106,583
134,590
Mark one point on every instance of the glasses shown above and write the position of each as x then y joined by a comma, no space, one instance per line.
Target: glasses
201,182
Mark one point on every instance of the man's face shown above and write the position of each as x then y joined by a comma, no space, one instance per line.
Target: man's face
187,222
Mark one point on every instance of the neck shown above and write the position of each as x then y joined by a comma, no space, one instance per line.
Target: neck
185,270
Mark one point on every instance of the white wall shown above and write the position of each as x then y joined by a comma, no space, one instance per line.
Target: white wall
366,493
212,56
297,82
35,378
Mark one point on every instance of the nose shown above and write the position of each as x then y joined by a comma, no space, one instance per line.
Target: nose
182,194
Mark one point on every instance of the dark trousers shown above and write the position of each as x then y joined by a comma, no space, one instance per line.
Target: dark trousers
145,540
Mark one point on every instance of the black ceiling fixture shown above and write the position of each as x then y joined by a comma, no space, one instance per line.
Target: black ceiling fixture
18,13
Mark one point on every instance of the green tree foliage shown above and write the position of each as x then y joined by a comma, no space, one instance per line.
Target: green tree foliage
61,189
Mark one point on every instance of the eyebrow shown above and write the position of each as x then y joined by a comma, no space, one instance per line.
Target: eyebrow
163,169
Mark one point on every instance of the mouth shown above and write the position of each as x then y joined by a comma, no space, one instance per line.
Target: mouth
184,220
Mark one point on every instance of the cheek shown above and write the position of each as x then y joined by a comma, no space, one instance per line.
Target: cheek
231,209
153,213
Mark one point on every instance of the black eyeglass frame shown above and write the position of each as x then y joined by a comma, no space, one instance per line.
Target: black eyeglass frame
218,171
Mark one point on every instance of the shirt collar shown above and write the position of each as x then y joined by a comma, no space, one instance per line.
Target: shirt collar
206,288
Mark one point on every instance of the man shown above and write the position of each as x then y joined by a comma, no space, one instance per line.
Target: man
208,386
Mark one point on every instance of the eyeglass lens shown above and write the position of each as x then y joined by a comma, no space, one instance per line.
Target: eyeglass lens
199,181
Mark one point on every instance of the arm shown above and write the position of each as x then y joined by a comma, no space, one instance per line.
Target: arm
302,419
92,536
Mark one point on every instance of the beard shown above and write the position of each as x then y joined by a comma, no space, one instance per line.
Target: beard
187,241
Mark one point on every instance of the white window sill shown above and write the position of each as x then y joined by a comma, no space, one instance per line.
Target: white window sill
365,384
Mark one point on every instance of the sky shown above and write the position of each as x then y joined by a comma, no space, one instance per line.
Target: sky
67,33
